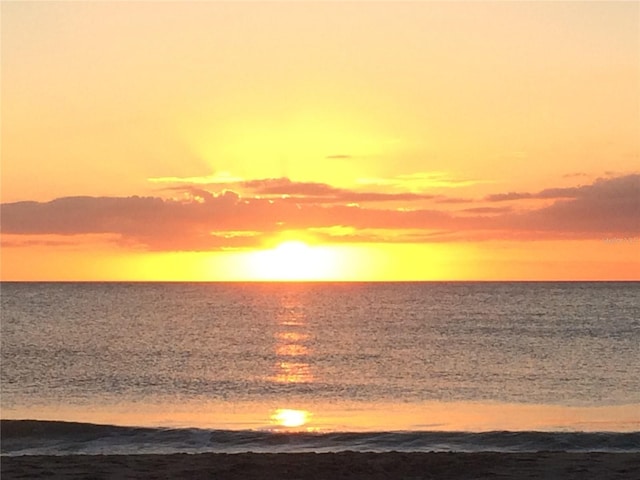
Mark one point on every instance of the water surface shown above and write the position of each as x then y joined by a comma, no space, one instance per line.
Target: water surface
361,357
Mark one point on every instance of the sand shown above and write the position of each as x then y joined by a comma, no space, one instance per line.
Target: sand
333,466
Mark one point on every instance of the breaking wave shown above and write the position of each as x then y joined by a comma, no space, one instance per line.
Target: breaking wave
32,437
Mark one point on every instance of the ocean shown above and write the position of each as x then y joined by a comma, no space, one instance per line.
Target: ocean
272,367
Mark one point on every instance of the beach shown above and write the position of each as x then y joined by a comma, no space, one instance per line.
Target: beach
340,465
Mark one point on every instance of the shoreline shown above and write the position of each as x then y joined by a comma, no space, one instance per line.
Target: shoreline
339,465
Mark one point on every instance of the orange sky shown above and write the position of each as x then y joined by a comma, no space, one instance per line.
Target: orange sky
398,141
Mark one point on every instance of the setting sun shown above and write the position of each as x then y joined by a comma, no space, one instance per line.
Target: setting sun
286,417
293,260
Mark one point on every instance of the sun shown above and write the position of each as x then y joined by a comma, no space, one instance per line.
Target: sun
290,418
293,260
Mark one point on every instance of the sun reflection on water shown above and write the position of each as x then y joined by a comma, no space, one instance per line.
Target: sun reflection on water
292,336
292,343
291,350
292,372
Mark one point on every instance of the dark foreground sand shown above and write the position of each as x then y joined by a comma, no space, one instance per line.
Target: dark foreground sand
333,466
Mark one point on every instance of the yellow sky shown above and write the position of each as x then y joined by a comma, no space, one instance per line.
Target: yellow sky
399,140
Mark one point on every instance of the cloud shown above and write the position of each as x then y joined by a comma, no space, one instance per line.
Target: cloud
206,221
161,224
410,187
338,157
605,206
219,178
69,242
443,199
575,175
149,221
602,188
284,186
550,193
313,192
301,192
421,181
487,210
502,197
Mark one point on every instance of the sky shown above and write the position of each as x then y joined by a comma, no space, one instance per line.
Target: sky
299,140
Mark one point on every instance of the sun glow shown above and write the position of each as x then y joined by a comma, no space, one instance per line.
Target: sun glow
290,418
293,260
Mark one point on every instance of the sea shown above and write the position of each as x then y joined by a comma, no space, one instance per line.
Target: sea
101,368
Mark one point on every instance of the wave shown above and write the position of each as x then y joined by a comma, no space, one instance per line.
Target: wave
34,437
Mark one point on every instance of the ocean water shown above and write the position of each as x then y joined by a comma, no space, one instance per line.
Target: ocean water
505,366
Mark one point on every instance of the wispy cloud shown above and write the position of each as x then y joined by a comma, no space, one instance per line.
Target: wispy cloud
452,200
323,193
550,193
576,175
421,181
487,210
219,178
